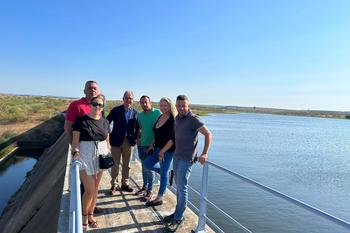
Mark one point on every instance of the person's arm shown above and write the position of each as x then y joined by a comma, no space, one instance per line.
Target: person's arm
109,117
207,142
137,132
165,148
68,130
151,146
75,145
108,133
108,144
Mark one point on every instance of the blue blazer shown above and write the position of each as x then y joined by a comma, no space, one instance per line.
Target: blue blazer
121,128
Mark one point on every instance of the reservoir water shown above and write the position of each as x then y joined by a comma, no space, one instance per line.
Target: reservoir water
304,157
12,175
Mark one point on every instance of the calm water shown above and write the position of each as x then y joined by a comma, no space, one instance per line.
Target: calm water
303,157
306,158
12,176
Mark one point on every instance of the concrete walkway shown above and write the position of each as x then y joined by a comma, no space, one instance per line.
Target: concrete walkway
125,212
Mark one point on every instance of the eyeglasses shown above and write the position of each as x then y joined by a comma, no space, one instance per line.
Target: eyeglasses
97,104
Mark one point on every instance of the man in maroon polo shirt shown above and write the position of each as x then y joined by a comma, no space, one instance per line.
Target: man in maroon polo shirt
80,108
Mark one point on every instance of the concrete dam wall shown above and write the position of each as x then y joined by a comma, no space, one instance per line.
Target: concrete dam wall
35,207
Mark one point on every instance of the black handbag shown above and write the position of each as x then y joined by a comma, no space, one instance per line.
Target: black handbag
105,161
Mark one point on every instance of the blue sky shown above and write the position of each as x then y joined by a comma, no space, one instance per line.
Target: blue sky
282,54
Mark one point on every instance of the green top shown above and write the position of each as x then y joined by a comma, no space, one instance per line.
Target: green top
146,122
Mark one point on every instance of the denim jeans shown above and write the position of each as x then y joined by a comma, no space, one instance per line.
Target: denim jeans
147,175
161,167
182,171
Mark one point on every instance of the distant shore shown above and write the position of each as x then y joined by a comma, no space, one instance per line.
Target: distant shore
199,109
238,109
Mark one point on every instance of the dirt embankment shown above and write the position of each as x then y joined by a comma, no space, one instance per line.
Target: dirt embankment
41,136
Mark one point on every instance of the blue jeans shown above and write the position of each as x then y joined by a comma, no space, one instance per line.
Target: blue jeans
182,171
161,167
147,175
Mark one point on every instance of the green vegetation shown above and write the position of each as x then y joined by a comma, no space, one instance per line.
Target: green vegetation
15,109
199,113
6,136
7,150
112,103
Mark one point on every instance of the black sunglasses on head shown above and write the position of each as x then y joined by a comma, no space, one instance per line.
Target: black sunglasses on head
97,104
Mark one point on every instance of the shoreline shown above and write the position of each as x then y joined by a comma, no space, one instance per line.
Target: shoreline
207,109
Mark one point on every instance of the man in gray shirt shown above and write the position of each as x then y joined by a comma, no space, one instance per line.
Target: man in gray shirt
187,126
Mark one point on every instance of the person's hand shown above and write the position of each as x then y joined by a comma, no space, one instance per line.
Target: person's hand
203,158
76,155
161,155
150,148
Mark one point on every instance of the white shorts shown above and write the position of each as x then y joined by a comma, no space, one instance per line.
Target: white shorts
89,156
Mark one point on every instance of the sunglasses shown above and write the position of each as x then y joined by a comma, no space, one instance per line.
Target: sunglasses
97,104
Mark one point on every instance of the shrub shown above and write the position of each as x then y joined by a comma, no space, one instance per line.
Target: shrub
6,136
25,108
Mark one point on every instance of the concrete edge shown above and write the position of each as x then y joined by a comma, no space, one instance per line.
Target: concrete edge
63,220
8,155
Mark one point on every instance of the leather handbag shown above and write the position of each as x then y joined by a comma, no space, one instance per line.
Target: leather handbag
105,161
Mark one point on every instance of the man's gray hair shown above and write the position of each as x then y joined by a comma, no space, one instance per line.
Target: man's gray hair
128,92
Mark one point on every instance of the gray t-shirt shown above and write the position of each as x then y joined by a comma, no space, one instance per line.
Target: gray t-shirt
186,136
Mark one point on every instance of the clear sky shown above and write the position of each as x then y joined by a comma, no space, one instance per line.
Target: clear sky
268,53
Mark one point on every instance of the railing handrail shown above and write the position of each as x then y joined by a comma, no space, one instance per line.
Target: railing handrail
75,215
221,211
290,199
203,205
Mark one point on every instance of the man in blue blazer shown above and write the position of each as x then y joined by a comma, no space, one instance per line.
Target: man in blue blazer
122,140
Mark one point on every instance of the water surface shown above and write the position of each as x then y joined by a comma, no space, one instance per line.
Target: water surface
304,157
12,176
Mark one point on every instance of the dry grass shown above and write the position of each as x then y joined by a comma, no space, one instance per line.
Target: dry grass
21,113
16,129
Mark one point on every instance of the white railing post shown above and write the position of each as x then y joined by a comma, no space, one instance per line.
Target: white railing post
75,217
203,201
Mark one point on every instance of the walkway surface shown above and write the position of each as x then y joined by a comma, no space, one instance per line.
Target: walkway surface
125,212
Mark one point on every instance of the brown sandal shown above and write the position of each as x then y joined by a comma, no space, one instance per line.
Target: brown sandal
148,196
92,224
85,225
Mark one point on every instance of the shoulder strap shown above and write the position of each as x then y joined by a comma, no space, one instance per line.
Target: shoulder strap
92,135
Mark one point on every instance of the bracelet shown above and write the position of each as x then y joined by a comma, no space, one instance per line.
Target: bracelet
75,152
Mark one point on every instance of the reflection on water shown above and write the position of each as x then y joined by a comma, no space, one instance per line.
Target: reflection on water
12,175
303,157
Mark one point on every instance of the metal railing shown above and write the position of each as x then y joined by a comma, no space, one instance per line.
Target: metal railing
75,217
202,218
